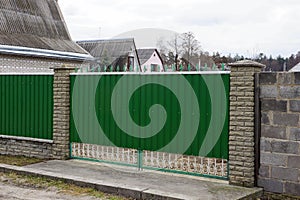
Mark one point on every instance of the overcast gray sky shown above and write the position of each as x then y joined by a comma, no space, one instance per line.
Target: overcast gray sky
246,27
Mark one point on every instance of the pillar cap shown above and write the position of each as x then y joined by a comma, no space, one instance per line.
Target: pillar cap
62,67
246,63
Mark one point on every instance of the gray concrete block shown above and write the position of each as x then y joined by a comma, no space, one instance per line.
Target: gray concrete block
264,171
267,78
270,185
295,134
295,105
267,91
285,147
294,161
273,132
289,92
274,105
273,159
297,77
265,145
286,119
285,78
284,173
292,188
265,118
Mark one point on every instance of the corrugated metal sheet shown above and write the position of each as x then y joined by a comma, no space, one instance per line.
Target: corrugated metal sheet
26,105
170,113
35,24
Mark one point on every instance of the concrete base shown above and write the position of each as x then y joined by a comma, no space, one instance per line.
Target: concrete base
129,182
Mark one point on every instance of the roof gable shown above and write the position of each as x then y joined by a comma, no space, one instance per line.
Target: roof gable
36,24
108,50
145,54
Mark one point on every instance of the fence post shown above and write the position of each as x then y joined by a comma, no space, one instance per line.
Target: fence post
61,112
242,122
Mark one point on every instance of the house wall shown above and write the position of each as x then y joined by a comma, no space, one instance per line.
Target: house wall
279,170
154,59
22,64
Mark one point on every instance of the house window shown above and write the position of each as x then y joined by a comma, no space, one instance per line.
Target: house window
154,68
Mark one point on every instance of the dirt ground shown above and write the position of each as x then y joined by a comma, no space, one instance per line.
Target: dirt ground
13,192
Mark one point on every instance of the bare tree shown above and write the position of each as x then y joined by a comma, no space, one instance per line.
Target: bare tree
175,46
191,46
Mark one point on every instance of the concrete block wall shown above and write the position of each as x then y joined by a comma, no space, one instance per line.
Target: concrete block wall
280,133
20,146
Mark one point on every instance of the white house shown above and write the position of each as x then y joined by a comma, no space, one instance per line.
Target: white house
150,60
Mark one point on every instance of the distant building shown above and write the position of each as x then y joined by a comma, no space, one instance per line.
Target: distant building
34,37
112,54
150,60
296,68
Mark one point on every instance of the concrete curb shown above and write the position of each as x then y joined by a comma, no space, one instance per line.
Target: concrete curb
123,189
136,193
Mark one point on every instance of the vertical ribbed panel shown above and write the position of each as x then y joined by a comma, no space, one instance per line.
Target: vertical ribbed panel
26,105
160,112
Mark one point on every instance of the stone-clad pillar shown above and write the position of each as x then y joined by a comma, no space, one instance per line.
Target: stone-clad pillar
61,112
242,122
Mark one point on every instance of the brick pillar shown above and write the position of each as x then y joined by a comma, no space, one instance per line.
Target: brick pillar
242,125
61,112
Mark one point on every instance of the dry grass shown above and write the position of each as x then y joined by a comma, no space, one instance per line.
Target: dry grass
273,196
18,160
60,186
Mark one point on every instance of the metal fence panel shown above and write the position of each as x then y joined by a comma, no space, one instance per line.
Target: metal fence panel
175,113
26,105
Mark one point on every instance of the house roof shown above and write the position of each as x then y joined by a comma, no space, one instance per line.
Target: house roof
35,25
145,54
296,68
108,50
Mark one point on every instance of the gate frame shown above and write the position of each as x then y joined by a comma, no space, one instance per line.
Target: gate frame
139,164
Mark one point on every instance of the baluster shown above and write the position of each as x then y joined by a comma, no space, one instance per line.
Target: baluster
208,166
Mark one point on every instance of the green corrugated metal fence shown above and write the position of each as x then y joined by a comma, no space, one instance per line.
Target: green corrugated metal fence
176,113
26,105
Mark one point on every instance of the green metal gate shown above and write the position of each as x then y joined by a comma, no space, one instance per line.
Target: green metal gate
166,121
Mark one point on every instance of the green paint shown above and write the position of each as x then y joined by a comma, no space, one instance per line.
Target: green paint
26,105
105,112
